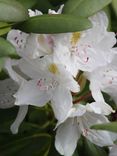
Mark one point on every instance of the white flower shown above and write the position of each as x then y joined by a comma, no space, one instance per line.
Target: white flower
18,80
113,151
34,13
31,46
104,79
78,123
48,82
88,49
54,12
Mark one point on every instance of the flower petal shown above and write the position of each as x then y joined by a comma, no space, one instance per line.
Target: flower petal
30,93
20,117
113,151
61,103
95,136
9,63
66,138
99,108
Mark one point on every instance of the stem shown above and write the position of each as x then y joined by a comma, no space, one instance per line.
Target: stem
82,98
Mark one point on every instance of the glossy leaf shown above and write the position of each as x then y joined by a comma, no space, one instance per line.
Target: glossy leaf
114,4
28,4
89,149
4,30
112,126
6,48
84,8
54,24
3,24
12,11
29,145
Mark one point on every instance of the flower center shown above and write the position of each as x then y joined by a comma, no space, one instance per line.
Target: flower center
75,37
53,68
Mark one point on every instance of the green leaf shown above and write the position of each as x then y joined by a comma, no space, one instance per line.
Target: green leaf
6,48
12,11
29,145
1,63
90,149
3,24
114,5
112,126
50,24
84,8
4,30
28,4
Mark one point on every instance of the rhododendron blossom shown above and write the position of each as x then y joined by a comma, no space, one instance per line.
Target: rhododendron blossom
49,72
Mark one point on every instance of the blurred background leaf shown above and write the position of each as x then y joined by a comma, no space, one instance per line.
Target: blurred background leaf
84,8
36,144
12,11
28,4
86,148
114,5
112,126
6,48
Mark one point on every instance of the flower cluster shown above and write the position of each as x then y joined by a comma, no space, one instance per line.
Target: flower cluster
48,72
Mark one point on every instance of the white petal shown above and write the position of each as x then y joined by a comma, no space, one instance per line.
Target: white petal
100,25
72,84
28,68
77,110
66,138
9,63
100,19
34,13
30,93
100,108
60,9
20,117
61,103
113,151
98,138
95,136
96,91
108,41
18,39
54,12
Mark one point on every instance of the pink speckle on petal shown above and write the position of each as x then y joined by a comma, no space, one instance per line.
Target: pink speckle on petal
85,132
15,38
50,41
